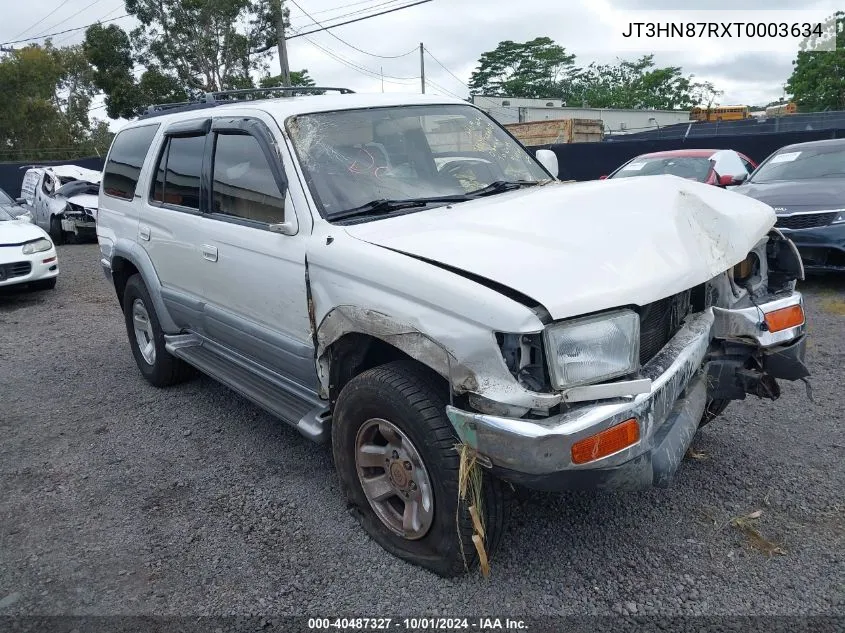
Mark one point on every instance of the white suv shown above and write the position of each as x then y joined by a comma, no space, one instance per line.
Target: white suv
397,275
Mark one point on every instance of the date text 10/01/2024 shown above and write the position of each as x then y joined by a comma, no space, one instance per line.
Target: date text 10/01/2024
418,624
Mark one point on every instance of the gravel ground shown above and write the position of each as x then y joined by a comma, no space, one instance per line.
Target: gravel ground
118,498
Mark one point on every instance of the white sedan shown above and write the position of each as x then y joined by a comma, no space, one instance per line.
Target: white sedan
27,254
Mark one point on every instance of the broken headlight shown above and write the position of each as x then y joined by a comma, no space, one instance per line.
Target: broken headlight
38,246
593,349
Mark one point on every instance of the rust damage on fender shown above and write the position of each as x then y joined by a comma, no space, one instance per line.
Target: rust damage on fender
344,320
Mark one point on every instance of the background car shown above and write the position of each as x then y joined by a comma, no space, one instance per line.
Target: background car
14,207
721,167
27,254
805,183
63,200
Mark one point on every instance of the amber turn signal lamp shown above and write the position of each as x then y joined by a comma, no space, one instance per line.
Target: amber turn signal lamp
784,318
607,442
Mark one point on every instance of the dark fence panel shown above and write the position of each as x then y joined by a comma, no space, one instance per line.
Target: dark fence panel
11,174
589,161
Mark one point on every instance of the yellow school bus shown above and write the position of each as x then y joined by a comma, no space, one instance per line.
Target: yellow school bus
782,109
720,113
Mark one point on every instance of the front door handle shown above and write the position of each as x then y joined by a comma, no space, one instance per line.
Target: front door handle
209,252
144,232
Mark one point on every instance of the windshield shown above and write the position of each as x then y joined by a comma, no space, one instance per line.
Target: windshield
4,216
5,198
693,167
77,187
803,164
354,157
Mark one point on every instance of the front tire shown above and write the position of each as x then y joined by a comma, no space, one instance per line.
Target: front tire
714,409
146,337
57,234
395,453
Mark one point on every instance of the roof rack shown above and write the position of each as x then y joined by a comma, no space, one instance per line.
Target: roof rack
213,99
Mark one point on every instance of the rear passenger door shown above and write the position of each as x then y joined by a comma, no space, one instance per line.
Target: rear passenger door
170,227
254,251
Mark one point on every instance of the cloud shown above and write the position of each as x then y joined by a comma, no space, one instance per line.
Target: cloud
456,32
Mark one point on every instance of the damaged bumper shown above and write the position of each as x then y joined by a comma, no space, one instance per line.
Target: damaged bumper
717,354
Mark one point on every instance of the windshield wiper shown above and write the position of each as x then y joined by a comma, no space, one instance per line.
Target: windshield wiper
499,186
385,206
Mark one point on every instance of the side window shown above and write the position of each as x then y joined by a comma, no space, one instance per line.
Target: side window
47,184
121,173
243,183
177,175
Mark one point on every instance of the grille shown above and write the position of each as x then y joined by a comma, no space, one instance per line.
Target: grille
660,321
17,269
805,220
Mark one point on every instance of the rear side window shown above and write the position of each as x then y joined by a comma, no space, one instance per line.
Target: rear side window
177,175
121,173
243,182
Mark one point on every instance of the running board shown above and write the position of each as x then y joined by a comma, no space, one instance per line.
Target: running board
282,398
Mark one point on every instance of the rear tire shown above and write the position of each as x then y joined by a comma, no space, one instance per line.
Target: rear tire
56,232
414,457
146,337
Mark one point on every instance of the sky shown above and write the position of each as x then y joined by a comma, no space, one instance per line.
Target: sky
456,32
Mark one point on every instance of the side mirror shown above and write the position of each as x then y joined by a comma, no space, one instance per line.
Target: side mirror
548,159
20,200
290,227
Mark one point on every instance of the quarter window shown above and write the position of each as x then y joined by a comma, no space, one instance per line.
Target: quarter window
244,186
120,175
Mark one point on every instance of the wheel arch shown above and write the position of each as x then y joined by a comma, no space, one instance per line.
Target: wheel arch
127,259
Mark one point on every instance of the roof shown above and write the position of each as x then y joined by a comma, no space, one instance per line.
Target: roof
71,171
681,153
283,107
813,144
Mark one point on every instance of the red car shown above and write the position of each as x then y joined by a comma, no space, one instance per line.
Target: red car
721,167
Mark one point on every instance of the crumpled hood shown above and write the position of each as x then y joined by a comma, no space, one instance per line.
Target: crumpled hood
798,195
18,232
85,200
579,248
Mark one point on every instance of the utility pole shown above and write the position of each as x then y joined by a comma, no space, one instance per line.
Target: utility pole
382,78
422,67
279,9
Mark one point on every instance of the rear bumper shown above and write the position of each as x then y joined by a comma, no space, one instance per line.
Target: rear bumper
821,248
538,453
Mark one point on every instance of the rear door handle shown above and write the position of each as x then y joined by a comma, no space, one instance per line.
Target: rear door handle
144,232
209,252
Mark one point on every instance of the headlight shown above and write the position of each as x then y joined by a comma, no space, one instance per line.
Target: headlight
840,217
37,246
587,350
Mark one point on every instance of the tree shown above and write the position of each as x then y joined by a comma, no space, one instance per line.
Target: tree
635,84
47,94
705,94
297,78
818,76
538,68
187,47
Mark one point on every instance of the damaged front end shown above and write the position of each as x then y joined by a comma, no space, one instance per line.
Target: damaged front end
79,220
734,335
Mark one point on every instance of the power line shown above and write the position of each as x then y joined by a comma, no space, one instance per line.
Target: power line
366,17
439,63
100,19
66,20
404,81
442,89
46,15
78,28
378,4
296,4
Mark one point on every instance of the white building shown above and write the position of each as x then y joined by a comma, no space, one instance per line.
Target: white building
513,110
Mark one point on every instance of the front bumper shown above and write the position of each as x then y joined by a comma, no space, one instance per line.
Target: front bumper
538,453
16,269
821,248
